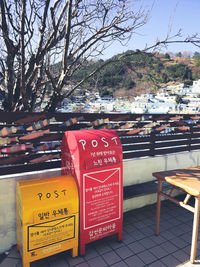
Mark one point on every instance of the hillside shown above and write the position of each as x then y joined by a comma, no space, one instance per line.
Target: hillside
139,73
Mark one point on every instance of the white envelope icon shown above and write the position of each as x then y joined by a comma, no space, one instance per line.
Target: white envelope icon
108,174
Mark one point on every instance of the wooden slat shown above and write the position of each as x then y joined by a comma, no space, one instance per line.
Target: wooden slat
21,158
171,136
30,167
195,147
14,159
136,147
195,141
50,137
171,143
136,139
195,135
170,150
139,154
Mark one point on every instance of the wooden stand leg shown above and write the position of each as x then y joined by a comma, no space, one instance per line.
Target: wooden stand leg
120,234
75,252
82,248
158,206
195,230
26,264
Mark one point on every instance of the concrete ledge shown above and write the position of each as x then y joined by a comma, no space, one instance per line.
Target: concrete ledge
137,171
139,202
142,200
143,189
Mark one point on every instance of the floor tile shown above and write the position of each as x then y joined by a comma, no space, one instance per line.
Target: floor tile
187,249
147,257
83,264
14,253
119,264
157,264
166,234
39,263
74,261
169,247
90,253
102,248
182,256
136,247
180,243
147,243
187,237
137,235
97,262
124,252
9,262
127,239
170,261
158,239
134,261
115,244
139,225
111,257
149,222
158,252
148,230
19,264
57,260
129,228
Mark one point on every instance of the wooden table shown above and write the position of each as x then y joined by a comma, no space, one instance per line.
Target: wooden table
188,181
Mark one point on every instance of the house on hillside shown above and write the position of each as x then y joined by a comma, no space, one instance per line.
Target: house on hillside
175,88
196,87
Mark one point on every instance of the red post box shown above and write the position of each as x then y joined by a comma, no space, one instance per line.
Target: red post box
94,158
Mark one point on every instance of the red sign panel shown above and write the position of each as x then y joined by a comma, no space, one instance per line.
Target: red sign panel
101,197
94,157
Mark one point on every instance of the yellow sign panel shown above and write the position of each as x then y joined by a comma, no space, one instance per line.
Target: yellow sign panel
48,233
43,215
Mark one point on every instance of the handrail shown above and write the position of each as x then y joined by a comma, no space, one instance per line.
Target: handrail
31,141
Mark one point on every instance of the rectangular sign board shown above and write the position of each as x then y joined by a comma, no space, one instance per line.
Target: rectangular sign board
48,233
101,197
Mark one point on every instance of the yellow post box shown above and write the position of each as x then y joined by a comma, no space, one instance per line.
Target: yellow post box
47,216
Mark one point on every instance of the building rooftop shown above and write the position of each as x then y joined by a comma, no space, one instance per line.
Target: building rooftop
140,246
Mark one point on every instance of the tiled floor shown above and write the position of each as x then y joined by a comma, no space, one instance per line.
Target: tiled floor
140,247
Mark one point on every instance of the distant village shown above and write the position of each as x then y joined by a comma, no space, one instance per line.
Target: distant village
172,99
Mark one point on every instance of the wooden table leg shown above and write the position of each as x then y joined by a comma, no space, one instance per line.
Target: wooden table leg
195,230
158,206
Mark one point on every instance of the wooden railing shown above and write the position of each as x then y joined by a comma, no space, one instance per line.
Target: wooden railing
31,141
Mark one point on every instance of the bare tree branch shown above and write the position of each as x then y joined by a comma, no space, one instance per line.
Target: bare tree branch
35,35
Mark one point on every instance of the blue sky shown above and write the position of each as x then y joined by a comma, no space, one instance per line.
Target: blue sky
184,14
